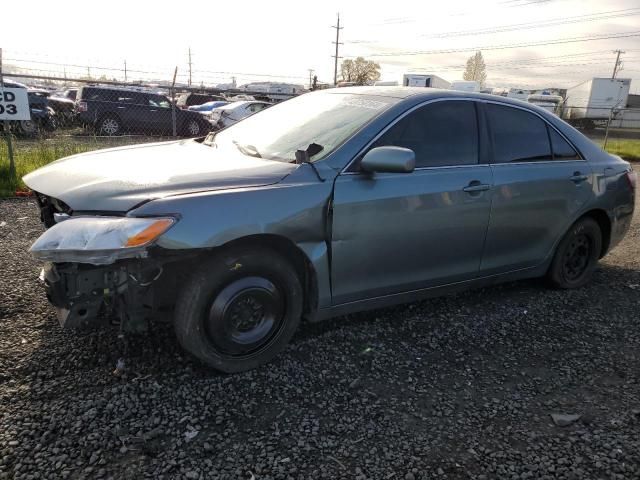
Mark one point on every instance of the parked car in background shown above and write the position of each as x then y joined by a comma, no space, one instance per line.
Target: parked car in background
332,202
227,115
206,108
63,107
115,110
69,93
186,100
43,117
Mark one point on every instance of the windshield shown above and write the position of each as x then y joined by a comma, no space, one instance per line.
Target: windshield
326,119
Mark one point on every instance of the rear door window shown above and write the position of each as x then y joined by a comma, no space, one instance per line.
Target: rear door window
440,134
129,98
518,136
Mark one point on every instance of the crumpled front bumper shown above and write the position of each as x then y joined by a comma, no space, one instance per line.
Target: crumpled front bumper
76,307
89,296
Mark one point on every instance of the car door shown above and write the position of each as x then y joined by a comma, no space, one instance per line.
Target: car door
396,232
159,119
540,184
129,109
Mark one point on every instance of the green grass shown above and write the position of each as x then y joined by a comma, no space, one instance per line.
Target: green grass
30,155
627,149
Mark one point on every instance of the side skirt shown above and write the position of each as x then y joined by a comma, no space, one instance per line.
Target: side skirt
421,294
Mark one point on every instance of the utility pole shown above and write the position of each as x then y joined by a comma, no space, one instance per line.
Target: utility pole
311,70
189,66
125,70
7,133
616,67
336,57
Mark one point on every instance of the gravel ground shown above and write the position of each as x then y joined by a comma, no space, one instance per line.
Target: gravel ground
457,387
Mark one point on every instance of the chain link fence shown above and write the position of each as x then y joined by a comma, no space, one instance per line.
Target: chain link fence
80,116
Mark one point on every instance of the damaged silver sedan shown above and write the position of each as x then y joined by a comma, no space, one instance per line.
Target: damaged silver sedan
330,203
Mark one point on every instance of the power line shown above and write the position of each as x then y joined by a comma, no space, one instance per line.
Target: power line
337,44
627,12
402,20
557,41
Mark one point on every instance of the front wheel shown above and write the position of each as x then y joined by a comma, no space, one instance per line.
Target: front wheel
239,309
577,255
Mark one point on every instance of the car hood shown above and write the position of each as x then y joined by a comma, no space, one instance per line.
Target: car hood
118,179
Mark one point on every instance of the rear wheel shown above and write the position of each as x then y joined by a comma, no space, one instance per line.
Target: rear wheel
109,125
239,310
577,255
192,128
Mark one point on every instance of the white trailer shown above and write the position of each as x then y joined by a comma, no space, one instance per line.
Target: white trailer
596,100
420,80
518,94
465,85
547,101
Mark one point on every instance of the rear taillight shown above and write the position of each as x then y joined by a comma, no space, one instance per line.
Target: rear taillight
81,106
632,178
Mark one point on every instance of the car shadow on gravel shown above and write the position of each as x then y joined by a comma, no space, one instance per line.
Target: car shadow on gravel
462,383
58,352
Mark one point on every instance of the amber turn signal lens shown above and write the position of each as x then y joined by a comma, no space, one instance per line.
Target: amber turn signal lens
150,233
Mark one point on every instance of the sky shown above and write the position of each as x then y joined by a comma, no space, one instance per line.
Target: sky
525,43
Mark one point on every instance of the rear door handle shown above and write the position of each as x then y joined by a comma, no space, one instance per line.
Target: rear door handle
476,187
577,177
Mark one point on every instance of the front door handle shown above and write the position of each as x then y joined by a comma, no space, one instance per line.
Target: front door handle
577,177
476,186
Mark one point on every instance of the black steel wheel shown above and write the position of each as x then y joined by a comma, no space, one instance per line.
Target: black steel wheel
577,255
239,309
245,315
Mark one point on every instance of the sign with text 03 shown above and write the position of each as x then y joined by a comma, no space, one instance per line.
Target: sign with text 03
14,104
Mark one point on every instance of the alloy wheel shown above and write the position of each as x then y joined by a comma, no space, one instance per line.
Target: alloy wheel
109,126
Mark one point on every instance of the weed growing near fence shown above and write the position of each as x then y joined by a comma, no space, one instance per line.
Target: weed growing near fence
30,155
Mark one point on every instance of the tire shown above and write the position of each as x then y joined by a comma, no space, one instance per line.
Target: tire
109,126
577,255
28,128
192,128
239,309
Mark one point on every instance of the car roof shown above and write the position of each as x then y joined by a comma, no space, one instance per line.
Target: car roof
419,94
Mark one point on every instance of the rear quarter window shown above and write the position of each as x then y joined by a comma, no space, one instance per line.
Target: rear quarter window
562,150
518,135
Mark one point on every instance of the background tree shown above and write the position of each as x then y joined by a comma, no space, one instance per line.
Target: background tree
476,69
360,71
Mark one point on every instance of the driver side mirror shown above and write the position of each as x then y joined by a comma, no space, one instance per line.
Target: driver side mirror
389,159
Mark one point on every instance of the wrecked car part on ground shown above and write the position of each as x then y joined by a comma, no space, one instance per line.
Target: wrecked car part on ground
330,203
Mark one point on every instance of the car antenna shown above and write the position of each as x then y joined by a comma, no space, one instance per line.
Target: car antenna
304,156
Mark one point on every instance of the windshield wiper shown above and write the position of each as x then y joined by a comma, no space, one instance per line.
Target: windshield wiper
248,150
304,156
